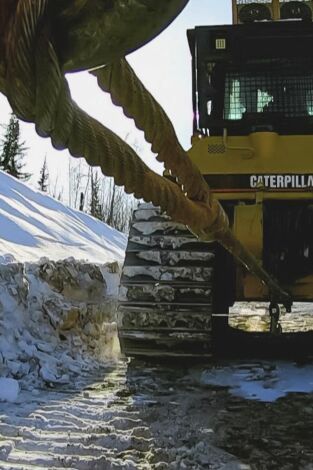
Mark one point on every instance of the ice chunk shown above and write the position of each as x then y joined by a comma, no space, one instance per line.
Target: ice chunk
9,389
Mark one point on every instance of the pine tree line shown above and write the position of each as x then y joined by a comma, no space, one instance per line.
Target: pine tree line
43,183
13,151
109,203
98,195
92,193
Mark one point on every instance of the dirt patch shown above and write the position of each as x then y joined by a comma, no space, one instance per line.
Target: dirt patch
268,435
140,417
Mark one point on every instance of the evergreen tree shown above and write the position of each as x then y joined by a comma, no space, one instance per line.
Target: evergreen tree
81,201
44,176
96,209
13,151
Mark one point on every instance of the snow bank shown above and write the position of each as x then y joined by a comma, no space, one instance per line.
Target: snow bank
57,318
33,225
57,321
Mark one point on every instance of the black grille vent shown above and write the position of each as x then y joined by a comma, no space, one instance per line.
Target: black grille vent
279,87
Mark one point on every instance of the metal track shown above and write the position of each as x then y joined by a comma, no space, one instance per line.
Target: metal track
166,289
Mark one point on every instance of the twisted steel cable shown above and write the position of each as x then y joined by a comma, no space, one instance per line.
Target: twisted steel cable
38,92
128,92
138,104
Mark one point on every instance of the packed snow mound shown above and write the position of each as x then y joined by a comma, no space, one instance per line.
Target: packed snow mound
34,225
57,323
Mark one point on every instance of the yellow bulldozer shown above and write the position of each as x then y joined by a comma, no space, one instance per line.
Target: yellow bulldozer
253,143
232,218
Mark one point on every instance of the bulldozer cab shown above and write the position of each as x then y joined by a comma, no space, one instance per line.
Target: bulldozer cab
251,77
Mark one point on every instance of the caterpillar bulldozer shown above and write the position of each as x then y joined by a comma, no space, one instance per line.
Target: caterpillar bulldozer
253,143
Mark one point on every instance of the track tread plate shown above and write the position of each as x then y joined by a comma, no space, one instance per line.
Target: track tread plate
166,290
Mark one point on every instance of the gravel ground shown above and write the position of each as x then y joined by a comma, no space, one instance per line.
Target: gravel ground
194,421
244,414
125,421
138,416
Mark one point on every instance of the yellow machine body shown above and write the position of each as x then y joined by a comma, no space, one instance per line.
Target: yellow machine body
271,167
253,136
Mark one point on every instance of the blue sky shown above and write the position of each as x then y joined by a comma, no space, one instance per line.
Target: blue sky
163,66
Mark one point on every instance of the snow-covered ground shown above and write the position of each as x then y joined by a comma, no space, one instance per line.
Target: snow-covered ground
34,225
59,277
262,380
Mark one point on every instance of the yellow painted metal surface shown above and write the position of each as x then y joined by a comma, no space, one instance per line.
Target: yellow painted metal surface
251,288
248,227
303,288
261,153
257,153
